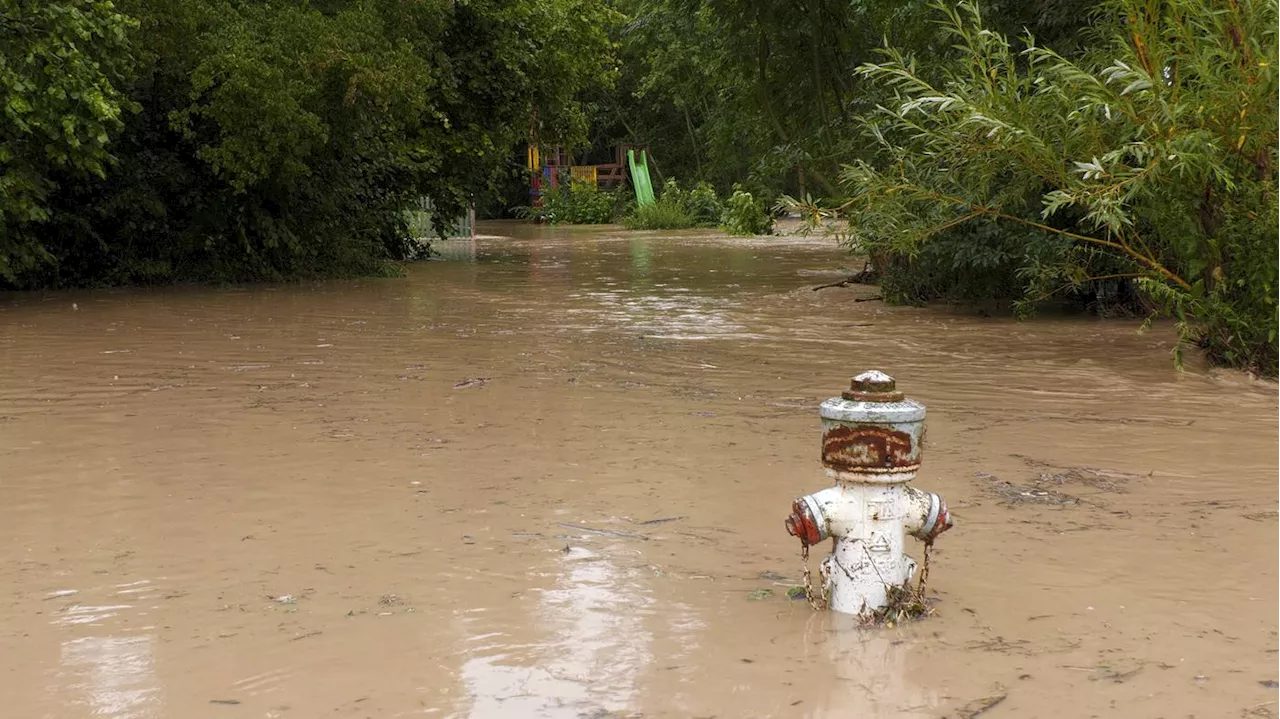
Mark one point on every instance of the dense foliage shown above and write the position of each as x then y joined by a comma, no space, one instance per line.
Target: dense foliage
700,206
160,140
764,93
1151,158
666,213
61,68
700,203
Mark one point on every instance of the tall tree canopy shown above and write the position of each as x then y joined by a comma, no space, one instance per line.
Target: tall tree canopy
160,140
726,90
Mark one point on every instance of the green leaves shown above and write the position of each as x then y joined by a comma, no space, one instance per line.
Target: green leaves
745,215
578,202
61,67
270,140
1138,152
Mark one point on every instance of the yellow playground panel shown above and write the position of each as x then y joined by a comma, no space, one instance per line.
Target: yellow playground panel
583,172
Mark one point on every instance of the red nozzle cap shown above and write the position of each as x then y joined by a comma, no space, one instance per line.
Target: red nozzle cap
943,523
802,524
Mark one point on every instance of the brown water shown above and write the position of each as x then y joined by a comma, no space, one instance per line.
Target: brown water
278,502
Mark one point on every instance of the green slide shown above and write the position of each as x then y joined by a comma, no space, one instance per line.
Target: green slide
640,177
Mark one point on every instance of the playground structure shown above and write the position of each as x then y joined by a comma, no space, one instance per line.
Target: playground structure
550,169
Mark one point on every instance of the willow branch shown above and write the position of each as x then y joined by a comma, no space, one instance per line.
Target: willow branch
1065,285
1098,241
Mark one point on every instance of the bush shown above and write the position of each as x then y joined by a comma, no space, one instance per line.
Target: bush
1149,162
661,215
700,203
677,209
578,203
745,215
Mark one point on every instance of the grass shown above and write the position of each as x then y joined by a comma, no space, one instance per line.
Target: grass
661,215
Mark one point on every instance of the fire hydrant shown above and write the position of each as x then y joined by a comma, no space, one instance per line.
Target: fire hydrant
871,448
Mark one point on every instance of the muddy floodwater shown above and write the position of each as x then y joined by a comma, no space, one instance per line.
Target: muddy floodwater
546,477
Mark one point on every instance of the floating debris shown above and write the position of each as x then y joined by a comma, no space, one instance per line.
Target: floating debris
904,603
1011,493
979,706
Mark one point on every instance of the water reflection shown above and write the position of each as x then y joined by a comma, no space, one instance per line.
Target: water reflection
112,676
641,264
872,677
458,249
596,613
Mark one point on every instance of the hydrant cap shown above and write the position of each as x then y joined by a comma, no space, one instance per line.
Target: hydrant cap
873,386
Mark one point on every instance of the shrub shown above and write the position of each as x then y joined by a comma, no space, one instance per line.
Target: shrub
701,203
677,209
661,215
579,202
1150,161
745,215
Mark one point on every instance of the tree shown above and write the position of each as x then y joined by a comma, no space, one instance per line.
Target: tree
62,64
766,91
1152,159
276,140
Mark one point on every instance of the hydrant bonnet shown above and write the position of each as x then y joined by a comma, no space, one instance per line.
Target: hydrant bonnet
871,432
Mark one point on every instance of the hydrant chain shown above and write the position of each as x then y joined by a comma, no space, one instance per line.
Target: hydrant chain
871,447
817,603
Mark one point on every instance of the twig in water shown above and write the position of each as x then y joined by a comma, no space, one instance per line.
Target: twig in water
610,532
662,520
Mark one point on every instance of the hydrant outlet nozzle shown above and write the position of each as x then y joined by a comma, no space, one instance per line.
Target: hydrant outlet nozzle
936,522
806,522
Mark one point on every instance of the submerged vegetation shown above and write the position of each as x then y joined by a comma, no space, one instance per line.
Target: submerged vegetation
700,206
660,215
745,215
575,203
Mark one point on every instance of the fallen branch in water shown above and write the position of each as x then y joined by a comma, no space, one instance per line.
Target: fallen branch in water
842,283
868,275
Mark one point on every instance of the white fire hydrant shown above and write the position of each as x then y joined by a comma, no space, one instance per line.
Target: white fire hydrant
871,448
